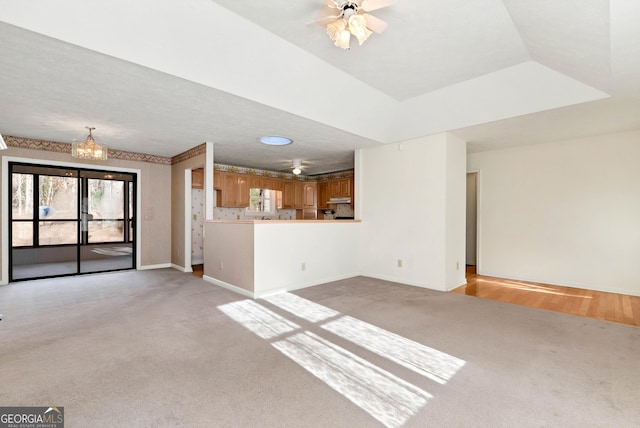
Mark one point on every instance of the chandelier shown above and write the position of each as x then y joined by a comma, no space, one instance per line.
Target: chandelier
89,149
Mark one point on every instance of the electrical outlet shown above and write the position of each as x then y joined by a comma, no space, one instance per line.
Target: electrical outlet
399,263
457,265
221,265
303,266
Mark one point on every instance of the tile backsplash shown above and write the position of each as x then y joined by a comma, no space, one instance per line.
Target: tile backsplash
341,210
240,214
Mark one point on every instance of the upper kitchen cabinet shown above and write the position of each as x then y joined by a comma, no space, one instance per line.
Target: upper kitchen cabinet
340,188
344,188
217,180
323,194
235,190
309,195
197,178
293,194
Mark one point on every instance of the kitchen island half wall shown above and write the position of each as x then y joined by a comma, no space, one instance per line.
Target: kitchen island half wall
261,257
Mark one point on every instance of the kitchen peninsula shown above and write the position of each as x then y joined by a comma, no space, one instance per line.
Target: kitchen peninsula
261,257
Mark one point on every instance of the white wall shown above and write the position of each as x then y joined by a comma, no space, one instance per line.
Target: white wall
563,213
456,212
329,251
408,195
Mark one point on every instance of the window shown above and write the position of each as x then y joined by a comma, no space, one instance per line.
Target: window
262,201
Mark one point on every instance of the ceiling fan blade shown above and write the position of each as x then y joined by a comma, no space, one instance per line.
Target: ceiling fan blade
332,4
374,24
370,5
324,21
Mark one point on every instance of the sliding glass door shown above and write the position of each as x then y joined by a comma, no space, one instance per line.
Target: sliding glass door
67,221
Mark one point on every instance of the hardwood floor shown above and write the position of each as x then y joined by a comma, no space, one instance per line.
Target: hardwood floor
619,308
198,270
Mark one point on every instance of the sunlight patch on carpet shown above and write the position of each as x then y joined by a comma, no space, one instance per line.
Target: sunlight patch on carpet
258,319
301,307
431,363
384,396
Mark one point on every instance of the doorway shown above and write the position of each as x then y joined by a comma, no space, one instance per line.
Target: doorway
472,223
69,221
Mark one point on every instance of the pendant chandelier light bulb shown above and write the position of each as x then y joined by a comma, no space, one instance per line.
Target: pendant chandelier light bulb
89,149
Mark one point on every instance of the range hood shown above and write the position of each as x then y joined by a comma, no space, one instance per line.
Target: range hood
339,200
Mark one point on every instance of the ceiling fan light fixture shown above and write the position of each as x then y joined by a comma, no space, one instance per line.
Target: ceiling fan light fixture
358,27
335,28
350,17
343,39
274,140
357,24
297,163
89,149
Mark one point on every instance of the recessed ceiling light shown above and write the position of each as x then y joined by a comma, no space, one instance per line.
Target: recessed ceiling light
273,140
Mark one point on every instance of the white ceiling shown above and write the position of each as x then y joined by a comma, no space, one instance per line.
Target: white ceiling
161,76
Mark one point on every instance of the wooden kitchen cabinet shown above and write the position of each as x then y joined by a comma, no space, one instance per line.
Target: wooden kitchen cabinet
276,184
309,195
344,188
197,178
293,195
243,191
340,188
334,188
259,182
323,195
235,190
217,180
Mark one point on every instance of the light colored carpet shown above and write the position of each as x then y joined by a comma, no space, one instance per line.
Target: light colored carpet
164,348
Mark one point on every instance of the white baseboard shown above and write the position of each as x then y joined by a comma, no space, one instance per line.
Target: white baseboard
266,293
181,268
159,266
228,286
402,281
197,260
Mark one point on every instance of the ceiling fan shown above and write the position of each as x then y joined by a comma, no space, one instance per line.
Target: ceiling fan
351,17
295,166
